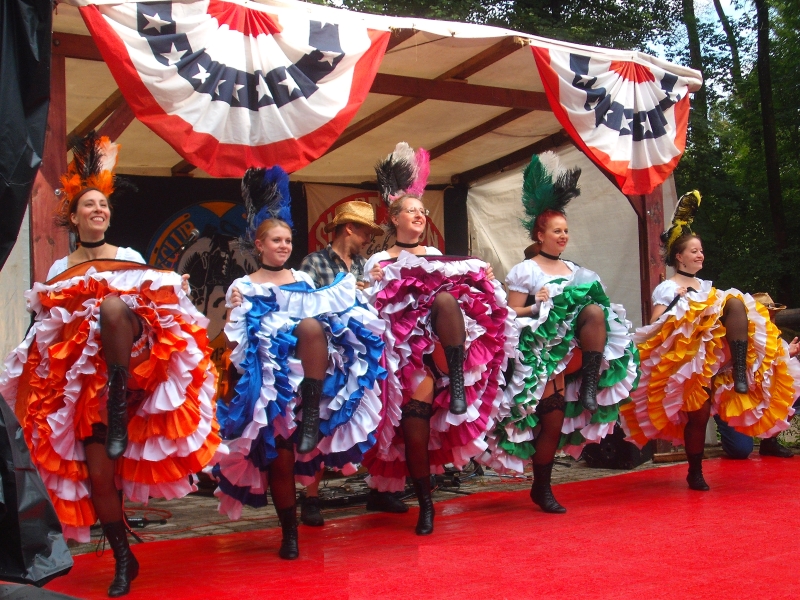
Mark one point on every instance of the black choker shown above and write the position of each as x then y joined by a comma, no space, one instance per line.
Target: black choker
550,256
402,245
685,274
271,268
91,244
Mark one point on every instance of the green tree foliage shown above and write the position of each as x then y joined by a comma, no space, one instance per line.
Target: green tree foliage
612,23
729,167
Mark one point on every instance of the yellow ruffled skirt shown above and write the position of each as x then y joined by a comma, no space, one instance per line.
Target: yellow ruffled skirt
685,358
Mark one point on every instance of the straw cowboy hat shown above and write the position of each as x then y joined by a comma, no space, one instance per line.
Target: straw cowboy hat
772,306
357,212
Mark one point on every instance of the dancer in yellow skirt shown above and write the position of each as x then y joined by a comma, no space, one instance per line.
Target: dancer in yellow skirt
706,350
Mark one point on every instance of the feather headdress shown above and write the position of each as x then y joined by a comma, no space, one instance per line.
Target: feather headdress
546,185
403,173
94,159
682,219
266,196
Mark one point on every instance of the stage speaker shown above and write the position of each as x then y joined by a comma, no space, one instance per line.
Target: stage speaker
613,452
32,547
14,591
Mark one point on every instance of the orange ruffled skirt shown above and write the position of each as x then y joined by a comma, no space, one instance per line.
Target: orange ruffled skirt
685,355
55,381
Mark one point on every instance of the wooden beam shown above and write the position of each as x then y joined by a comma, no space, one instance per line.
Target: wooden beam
650,216
509,160
117,122
399,36
461,71
98,115
71,45
476,132
456,91
48,242
183,169
487,58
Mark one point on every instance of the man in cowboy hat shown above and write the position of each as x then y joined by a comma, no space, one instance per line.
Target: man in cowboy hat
353,227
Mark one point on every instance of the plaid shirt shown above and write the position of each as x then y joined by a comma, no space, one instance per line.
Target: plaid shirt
324,265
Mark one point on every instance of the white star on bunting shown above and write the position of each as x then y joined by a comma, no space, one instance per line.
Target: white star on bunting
236,88
328,56
154,22
202,74
174,55
289,83
263,90
219,85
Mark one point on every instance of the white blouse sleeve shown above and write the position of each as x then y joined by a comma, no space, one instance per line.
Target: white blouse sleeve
432,251
522,278
664,293
130,254
372,261
57,268
303,276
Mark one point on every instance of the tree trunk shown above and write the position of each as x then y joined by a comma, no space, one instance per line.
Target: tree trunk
736,65
700,104
771,144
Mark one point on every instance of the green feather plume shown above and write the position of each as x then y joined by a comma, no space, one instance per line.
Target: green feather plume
546,185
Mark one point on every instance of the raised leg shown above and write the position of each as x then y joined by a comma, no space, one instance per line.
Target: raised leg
447,321
734,317
591,331
312,350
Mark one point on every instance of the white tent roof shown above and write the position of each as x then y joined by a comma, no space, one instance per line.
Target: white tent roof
453,54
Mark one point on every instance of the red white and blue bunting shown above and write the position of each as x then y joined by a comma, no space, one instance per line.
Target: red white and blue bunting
230,86
629,116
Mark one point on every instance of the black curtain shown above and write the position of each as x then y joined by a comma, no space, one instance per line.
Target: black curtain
25,38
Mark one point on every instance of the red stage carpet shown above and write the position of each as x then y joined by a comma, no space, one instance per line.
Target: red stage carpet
636,535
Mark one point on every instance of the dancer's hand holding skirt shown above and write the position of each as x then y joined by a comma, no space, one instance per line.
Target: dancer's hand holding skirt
55,381
266,402
404,298
684,356
547,347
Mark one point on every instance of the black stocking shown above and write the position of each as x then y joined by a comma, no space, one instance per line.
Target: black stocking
694,434
551,418
447,320
416,424
119,327
105,496
734,317
591,328
281,479
312,348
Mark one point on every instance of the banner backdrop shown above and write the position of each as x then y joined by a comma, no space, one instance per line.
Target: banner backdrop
323,200
629,114
231,84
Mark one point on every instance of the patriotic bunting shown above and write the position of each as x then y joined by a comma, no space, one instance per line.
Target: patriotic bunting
230,86
628,116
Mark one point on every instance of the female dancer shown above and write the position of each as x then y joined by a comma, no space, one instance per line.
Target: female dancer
304,355
443,386
565,319
696,332
117,352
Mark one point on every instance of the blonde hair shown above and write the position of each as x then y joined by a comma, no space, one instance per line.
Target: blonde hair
395,208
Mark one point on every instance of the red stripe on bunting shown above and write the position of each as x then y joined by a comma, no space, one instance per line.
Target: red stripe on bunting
204,150
632,71
250,22
630,181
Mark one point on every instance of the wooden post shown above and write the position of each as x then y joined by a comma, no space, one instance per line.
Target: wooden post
49,242
650,216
